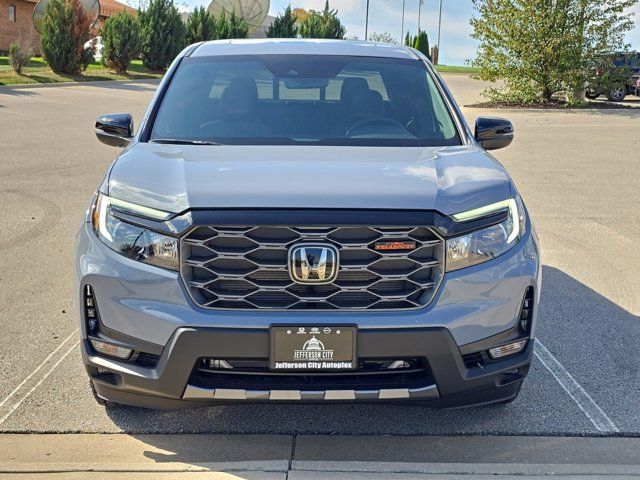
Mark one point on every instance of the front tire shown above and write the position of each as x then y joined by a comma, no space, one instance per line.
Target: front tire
592,94
617,93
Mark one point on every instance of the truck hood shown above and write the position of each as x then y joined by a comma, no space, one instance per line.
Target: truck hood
175,178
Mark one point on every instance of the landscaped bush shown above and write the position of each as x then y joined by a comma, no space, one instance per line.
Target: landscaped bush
19,57
201,26
232,26
66,28
324,24
162,34
121,41
421,43
284,26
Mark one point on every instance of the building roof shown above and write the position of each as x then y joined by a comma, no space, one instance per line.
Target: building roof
306,46
111,7
107,7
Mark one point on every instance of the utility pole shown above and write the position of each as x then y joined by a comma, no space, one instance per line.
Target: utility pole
420,2
366,24
402,28
439,28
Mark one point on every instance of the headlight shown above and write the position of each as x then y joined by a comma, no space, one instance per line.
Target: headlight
483,245
130,240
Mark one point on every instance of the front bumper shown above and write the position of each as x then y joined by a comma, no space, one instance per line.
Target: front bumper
169,385
147,308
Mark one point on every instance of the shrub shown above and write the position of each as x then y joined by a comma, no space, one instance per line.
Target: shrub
324,24
162,34
384,37
284,26
201,26
232,26
19,57
66,28
421,43
409,40
120,41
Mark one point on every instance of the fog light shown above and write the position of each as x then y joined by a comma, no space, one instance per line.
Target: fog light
506,350
110,349
219,364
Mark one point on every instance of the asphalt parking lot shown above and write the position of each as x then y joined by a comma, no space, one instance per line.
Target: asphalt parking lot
579,172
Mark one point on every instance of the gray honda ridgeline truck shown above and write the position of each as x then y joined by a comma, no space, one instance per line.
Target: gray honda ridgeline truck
305,221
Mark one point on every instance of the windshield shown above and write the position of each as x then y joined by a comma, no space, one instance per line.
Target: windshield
304,99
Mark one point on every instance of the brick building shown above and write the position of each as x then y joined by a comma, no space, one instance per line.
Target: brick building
16,21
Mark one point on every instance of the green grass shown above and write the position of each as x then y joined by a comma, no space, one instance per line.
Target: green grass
38,72
456,69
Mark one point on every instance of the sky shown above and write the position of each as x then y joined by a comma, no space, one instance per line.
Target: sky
456,43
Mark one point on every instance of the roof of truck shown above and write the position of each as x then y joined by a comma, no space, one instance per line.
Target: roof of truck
306,46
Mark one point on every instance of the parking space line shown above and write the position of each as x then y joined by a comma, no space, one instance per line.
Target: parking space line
41,380
6,399
589,407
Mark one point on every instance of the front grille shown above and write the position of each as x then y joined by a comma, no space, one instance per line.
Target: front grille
247,268
370,375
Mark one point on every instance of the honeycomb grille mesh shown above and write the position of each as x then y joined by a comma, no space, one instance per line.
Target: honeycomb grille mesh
247,268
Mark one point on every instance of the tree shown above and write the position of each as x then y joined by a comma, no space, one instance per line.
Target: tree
409,40
201,26
121,41
384,37
325,24
421,43
231,26
66,28
541,47
162,34
300,15
19,57
284,26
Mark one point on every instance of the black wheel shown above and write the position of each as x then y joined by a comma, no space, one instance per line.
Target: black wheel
99,400
592,94
617,93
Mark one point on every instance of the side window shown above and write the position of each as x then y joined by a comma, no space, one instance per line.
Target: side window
12,13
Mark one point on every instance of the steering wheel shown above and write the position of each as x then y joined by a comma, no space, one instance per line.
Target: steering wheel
375,121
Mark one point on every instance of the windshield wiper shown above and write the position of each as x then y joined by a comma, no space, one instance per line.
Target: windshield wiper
178,141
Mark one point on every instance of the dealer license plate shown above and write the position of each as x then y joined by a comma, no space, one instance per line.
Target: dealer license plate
313,348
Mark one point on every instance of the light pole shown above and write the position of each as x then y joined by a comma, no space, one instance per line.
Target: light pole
420,2
439,28
402,28
366,24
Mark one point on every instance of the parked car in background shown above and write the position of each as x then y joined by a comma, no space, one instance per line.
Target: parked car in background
617,77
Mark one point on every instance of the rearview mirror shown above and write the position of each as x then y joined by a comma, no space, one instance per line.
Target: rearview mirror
115,129
493,133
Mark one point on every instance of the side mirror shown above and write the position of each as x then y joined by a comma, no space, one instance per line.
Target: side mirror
115,129
493,133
